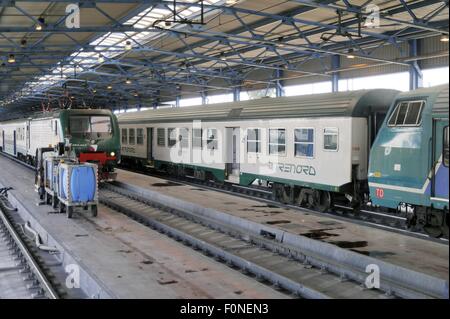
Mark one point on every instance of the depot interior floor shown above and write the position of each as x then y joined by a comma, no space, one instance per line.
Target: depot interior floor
413,253
131,260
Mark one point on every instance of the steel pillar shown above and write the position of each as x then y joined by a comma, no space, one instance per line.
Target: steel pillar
415,73
335,65
279,83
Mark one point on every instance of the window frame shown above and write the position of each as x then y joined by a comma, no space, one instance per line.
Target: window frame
216,139
337,142
408,102
313,142
285,142
125,136
142,136
130,135
258,141
169,140
181,139
197,138
161,139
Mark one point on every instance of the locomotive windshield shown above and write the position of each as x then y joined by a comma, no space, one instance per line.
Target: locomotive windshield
90,126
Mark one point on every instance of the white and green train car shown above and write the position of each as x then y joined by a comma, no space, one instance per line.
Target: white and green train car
307,147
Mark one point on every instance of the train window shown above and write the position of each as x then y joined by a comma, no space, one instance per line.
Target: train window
171,137
211,141
330,139
254,140
304,142
86,126
413,117
124,136
184,137
446,147
161,132
407,114
140,136
197,137
277,141
131,136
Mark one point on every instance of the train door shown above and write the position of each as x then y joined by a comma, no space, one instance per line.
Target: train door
150,144
439,189
15,143
28,136
233,155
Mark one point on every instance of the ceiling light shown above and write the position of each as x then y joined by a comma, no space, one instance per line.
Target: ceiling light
444,38
109,87
128,81
128,45
350,54
41,22
100,59
94,91
222,56
11,58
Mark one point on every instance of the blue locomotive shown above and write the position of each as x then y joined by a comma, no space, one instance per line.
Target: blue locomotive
408,167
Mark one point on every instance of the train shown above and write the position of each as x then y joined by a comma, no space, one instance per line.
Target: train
379,148
92,135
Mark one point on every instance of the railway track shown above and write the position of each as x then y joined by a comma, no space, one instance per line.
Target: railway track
303,274
365,217
380,220
24,276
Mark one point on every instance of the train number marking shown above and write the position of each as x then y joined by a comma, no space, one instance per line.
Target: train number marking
379,192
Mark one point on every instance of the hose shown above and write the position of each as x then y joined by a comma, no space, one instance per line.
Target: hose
37,239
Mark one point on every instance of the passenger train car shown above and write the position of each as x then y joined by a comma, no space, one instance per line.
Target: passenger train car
307,147
312,150
92,134
409,160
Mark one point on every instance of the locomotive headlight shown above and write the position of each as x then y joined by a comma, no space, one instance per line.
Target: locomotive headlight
113,154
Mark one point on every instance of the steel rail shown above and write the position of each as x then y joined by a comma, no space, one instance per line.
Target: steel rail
365,217
189,230
343,270
25,252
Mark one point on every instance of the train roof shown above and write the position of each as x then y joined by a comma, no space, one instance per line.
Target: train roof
57,113
355,104
439,93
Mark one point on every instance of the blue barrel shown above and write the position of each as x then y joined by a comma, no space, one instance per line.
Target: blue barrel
82,183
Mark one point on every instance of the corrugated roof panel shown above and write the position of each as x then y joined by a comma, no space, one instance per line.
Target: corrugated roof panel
355,103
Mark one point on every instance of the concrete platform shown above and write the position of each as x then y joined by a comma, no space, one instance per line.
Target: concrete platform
125,258
412,253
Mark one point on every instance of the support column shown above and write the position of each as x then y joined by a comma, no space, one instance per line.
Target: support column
156,100
415,73
335,65
204,97
237,94
279,83
177,101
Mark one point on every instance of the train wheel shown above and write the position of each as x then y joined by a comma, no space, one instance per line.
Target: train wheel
54,202
433,231
48,198
62,208
282,193
322,201
69,211
94,210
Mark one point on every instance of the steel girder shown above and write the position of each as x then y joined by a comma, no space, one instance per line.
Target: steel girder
233,70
